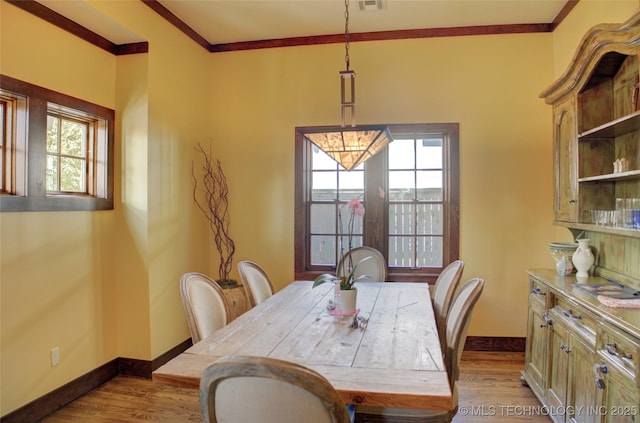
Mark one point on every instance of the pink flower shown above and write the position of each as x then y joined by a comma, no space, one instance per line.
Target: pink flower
356,207
381,192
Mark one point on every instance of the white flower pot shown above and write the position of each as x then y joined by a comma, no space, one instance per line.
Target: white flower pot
346,304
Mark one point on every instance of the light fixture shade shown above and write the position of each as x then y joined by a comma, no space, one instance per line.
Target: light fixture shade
349,145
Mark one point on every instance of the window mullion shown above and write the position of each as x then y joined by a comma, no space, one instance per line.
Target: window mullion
376,221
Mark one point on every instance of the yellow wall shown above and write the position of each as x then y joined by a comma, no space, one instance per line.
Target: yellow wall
489,85
56,268
113,290
103,285
583,17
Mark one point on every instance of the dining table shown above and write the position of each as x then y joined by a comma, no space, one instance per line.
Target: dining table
390,356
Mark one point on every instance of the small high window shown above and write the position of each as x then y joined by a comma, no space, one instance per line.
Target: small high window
64,161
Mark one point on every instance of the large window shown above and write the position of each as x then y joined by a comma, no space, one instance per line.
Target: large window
410,195
56,150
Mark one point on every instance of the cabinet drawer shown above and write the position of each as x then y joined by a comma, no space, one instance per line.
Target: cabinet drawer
579,320
538,293
620,350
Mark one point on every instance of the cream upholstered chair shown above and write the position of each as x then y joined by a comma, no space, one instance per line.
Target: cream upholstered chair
375,268
240,389
443,292
456,335
256,282
205,305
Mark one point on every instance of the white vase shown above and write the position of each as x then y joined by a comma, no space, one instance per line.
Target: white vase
346,304
583,258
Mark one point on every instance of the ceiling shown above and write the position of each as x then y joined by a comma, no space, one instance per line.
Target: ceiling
231,21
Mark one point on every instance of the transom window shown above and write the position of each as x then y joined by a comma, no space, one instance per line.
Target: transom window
410,195
56,150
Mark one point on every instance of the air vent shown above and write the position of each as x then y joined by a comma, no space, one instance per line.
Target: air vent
367,5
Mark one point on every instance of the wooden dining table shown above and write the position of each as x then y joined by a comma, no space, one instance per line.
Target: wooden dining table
393,359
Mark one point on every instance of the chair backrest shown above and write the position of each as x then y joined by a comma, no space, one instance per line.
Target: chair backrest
375,268
239,389
205,305
443,293
458,324
256,282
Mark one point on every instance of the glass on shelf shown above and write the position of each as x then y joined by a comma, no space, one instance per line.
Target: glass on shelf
626,214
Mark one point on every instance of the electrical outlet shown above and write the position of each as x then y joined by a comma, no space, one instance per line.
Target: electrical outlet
55,356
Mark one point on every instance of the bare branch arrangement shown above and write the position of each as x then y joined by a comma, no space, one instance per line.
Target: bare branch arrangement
215,207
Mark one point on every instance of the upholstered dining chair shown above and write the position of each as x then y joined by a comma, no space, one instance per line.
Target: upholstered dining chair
456,336
443,293
375,268
205,305
240,389
256,282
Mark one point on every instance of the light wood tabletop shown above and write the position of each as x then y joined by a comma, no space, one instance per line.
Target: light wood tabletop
393,361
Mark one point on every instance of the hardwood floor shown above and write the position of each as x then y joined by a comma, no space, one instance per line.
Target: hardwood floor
489,390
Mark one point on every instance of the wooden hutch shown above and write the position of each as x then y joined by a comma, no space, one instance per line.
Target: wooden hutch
582,357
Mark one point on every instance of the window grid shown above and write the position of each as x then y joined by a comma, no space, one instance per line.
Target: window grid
67,172
415,223
337,187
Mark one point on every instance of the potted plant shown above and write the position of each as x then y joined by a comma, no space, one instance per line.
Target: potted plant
215,207
346,293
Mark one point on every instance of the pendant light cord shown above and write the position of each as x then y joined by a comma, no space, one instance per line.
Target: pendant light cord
346,33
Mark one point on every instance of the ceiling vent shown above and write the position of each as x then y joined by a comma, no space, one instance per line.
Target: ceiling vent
367,5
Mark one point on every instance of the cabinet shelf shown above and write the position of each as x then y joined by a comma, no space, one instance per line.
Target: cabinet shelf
615,230
612,177
615,128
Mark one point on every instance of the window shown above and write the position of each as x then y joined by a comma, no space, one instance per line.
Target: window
13,143
410,192
62,146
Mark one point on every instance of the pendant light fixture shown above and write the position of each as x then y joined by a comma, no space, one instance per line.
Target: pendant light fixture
348,145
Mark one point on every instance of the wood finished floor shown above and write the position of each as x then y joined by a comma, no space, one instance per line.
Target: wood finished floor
489,390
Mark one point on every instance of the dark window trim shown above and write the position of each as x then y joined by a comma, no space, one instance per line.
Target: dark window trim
378,222
36,198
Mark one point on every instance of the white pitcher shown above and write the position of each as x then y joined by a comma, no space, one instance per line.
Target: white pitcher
583,258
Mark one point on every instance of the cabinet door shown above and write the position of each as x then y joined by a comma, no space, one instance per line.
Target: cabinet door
565,202
622,398
584,395
558,367
536,352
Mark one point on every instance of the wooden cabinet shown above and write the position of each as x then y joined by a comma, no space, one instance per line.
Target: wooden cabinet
596,122
582,358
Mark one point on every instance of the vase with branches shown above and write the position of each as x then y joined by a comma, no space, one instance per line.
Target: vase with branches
215,206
